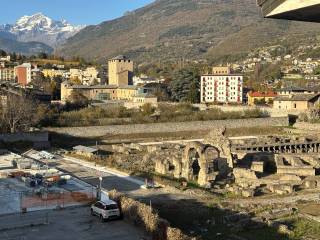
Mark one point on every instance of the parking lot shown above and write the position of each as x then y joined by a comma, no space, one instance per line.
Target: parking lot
76,223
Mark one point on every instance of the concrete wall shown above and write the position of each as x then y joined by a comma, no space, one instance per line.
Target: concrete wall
28,137
273,112
96,131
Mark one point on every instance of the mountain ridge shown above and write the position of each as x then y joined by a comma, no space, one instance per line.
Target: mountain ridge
40,28
174,29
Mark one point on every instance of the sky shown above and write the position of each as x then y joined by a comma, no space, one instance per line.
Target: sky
79,12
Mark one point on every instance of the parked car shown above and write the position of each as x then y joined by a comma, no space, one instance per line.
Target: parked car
106,210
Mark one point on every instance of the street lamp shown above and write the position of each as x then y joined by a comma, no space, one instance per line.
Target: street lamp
100,187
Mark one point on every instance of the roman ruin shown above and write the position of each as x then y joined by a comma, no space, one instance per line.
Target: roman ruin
253,166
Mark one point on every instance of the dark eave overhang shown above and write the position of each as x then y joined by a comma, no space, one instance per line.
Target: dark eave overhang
299,10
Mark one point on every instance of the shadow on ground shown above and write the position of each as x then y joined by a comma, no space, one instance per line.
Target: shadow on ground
210,221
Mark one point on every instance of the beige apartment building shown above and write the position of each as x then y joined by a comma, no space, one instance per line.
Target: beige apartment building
298,102
52,73
221,70
99,92
296,99
120,71
7,74
119,88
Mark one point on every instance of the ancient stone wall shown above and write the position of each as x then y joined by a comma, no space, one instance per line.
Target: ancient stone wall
97,131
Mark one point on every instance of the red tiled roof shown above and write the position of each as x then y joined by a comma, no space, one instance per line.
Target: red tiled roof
262,94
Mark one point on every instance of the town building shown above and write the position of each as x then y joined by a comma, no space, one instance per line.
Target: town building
7,74
256,98
98,92
35,72
222,87
221,70
75,73
144,98
108,93
5,58
120,71
23,73
51,73
141,80
120,90
297,102
295,90
90,76
3,100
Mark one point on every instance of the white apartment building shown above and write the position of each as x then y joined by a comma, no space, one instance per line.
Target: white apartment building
143,79
222,88
5,59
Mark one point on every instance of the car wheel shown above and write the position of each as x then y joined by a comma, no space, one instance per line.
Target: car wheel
92,212
102,218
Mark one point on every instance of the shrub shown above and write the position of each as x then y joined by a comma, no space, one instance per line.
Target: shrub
143,215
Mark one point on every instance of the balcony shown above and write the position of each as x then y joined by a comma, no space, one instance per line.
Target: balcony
300,10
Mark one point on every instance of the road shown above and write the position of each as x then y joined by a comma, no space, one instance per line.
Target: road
66,224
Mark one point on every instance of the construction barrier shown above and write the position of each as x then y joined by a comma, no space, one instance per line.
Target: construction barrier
52,200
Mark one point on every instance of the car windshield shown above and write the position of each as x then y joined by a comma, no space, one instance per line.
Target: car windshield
111,207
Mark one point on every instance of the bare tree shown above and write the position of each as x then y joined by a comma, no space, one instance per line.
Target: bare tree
19,114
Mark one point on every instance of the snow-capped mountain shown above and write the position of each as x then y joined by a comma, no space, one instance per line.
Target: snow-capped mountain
40,28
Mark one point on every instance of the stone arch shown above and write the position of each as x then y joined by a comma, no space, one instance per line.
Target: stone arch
200,163
192,161
212,155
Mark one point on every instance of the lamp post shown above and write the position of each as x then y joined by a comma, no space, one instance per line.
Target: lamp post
100,187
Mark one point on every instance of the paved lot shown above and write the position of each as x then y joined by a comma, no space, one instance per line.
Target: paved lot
91,176
65,224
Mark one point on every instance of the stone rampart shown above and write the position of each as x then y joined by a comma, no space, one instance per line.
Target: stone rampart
97,131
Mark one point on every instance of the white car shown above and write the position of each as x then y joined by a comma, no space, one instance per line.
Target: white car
106,210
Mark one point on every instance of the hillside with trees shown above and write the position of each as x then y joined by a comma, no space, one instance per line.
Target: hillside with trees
185,29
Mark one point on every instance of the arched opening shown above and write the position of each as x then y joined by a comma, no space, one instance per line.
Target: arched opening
211,155
195,169
195,166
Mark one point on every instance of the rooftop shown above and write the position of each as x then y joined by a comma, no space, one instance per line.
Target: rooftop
85,149
221,75
300,10
298,97
120,57
99,86
262,94
93,87
293,89
27,65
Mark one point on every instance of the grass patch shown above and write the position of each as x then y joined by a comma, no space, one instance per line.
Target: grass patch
96,116
300,229
305,229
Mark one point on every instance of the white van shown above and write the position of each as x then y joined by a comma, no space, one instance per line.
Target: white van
106,210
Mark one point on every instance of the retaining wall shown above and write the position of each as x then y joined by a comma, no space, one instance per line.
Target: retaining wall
27,137
97,131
